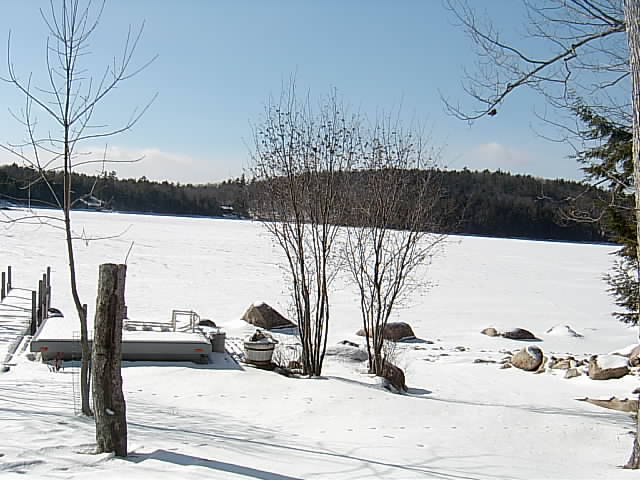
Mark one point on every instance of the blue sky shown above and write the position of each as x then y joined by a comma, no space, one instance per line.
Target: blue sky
220,60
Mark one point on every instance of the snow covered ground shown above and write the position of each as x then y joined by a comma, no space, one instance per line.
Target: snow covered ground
460,420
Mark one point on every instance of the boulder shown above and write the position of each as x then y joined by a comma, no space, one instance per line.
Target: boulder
634,356
541,367
529,358
562,363
394,331
614,403
606,367
519,334
394,376
491,332
205,322
263,316
294,365
572,372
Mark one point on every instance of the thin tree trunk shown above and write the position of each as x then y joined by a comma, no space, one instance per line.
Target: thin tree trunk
108,399
632,19
82,314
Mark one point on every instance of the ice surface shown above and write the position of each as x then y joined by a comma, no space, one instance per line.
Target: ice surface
222,421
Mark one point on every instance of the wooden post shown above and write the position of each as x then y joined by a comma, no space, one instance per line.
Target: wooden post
9,281
39,309
43,299
34,313
48,291
3,292
106,379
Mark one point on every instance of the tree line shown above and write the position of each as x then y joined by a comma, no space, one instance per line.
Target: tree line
496,204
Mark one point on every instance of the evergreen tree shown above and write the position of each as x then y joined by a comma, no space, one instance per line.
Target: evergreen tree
609,164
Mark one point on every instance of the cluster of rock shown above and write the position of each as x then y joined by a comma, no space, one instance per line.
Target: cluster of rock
597,367
532,359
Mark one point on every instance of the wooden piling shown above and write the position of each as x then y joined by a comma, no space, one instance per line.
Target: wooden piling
3,291
48,302
9,281
34,312
40,313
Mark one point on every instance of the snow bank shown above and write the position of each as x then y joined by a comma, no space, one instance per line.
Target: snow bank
563,331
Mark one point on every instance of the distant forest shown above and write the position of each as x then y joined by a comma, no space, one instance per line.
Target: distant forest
486,203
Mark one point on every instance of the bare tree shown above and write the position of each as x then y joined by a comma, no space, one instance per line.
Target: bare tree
67,101
594,52
393,203
587,57
300,159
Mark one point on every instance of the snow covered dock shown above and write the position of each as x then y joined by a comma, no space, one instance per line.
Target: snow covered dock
59,336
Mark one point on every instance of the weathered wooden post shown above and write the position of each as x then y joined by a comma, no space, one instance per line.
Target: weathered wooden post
39,309
106,379
47,304
34,312
9,281
43,301
3,291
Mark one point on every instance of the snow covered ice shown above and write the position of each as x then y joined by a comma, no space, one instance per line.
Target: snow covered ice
460,420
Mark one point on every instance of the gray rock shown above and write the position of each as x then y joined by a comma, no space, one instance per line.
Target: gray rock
529,358
572,372
395,376
263,316
519,334
562,363
634,356
607,367
491,332
394,331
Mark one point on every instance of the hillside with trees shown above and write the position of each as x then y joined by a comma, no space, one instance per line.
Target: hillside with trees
487,203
